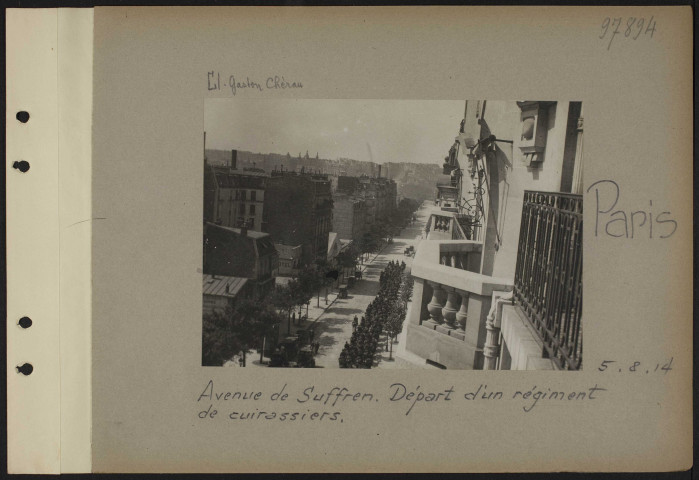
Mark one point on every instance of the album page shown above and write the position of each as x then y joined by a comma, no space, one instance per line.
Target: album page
351,239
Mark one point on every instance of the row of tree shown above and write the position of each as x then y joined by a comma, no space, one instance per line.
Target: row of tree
384,231
250,323
386,313
236,329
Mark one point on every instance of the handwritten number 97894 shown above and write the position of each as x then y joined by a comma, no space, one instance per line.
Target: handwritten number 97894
633,28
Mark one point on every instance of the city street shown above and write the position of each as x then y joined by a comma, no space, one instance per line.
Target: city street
334,327
333,323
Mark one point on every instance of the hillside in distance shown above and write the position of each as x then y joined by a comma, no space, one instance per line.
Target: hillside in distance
413,180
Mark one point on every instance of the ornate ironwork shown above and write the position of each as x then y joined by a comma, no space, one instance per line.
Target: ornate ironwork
548,277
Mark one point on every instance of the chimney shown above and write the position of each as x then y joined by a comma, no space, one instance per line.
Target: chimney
234,159
379,170
228,288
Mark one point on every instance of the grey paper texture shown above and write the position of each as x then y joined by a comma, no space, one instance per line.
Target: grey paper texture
151,85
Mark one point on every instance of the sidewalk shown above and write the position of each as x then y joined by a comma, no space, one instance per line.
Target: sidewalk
314,313
332,323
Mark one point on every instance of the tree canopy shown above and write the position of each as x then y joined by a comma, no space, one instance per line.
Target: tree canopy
227,332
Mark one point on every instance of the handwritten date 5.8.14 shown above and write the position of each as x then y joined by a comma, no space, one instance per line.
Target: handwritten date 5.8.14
635,367
631,27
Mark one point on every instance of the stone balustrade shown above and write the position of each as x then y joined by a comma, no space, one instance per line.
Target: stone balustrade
441,223
447,320
444,224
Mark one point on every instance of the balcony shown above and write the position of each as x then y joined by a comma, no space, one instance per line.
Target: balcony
451,302
446,224
548,277
464,320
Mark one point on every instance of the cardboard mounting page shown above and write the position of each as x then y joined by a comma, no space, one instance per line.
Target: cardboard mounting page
151,77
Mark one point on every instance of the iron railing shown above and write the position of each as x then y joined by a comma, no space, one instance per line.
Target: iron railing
464,226
548,277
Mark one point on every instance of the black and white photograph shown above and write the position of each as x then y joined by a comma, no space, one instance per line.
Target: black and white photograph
392,234
212,196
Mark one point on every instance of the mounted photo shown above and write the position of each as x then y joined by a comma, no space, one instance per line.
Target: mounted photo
399,234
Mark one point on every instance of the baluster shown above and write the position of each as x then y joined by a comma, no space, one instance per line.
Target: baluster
462,314
449,309
435,306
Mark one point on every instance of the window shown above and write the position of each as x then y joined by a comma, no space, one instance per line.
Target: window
242,195
252,208
253,196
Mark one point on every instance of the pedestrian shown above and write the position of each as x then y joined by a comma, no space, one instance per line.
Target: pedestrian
317,347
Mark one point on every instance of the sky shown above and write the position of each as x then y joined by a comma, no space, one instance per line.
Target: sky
417,131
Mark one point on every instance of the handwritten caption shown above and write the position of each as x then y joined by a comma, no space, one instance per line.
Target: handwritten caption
629,27
611,221
313,404
236,84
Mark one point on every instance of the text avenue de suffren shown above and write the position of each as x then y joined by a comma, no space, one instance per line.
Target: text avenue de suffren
399,393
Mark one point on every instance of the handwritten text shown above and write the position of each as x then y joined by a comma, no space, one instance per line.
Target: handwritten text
237,84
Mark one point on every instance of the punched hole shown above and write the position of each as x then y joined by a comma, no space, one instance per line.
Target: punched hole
22,166
25,369
25,322
23,116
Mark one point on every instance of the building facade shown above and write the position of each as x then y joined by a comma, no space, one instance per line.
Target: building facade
349,216
232,197
243,253
298,211
498,282
289,258
378,193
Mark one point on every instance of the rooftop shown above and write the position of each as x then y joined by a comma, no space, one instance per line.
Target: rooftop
249,172
216,285
250,233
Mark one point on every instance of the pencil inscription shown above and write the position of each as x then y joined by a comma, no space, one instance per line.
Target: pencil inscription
237,84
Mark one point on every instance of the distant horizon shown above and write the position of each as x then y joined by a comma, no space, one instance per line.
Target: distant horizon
379,131
312,157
